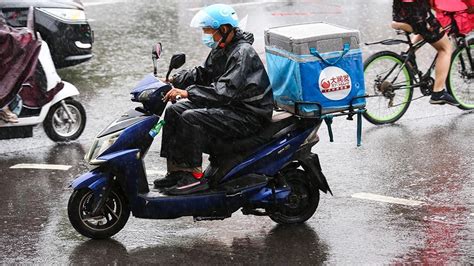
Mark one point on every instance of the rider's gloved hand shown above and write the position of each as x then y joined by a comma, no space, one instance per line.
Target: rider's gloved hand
173,93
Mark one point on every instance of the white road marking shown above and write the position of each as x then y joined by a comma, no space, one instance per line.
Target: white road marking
41,166
102,3
375,197
244,4
472,214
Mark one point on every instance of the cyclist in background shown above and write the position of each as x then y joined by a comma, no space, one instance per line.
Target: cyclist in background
415,16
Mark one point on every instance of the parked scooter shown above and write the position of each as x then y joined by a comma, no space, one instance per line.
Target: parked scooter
272,174
63,118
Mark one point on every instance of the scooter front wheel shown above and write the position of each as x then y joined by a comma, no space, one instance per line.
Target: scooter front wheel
65,120
109,221
302,202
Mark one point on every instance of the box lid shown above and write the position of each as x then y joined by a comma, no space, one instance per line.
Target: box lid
315,31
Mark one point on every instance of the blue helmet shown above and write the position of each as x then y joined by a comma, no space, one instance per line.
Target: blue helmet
215,16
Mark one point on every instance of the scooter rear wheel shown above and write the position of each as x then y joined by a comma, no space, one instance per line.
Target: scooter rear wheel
112,217
57,124
302,201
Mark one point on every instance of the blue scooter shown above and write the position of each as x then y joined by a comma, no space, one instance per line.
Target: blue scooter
272,174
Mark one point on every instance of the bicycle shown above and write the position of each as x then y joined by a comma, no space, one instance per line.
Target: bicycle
390,78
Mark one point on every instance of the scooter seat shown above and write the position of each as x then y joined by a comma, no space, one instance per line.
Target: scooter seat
281,124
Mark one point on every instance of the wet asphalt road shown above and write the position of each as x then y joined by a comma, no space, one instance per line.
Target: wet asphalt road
427,156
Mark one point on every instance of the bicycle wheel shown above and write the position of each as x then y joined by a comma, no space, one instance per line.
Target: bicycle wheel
387,83
460,81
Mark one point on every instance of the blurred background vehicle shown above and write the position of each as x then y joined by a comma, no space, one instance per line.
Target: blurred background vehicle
61,23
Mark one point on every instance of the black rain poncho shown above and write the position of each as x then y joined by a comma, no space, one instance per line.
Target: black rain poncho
234,76
230,97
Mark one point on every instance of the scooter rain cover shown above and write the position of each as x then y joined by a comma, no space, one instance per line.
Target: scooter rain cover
18,58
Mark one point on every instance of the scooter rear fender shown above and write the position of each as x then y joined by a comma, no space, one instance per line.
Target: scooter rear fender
310,163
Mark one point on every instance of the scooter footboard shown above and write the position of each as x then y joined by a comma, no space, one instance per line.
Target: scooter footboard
158,206
212,204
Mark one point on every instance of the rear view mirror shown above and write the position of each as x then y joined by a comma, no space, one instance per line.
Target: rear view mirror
176,61
156,50
155,55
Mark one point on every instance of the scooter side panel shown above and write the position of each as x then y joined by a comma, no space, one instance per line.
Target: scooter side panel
212,204
269,160
126,120
47,63
266,196
134,135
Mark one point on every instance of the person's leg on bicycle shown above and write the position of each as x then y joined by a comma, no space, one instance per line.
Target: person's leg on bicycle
443,47
406,27
415,16
441,43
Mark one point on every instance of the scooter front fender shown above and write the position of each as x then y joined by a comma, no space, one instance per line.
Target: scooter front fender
127,166
93,180
98,183
69,90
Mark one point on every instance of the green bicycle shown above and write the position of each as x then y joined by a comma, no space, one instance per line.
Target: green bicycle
390,78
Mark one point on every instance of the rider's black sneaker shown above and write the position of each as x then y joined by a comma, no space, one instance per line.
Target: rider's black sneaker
442,97
188,184
171,179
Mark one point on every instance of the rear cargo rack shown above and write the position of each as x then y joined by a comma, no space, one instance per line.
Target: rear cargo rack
328,118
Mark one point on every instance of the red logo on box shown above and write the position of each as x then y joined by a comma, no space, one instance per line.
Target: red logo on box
334,83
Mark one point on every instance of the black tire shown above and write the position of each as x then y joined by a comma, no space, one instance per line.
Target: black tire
302,201
378,103
460,85
51,126
116,213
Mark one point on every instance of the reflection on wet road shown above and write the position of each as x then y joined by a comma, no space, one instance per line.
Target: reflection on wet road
426,157
266,247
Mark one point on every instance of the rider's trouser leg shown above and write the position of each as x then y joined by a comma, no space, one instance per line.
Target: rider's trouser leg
188,128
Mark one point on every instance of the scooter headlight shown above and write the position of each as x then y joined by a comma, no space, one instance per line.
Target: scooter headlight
99,146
